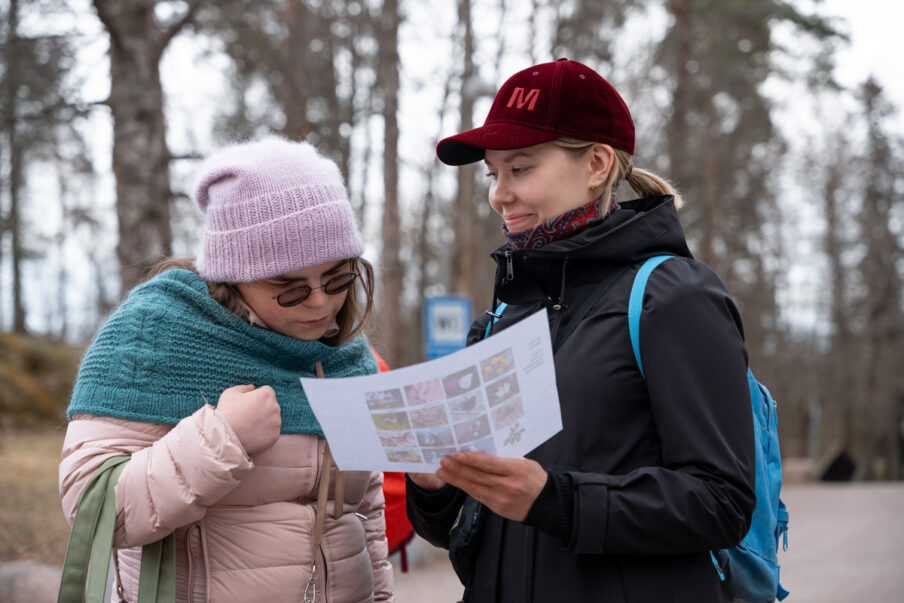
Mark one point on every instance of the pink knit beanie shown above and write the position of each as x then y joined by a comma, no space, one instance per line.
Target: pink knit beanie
272,207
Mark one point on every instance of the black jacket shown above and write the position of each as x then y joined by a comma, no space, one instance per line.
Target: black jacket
646,477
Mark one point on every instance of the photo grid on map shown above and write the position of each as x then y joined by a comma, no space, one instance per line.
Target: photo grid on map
422,422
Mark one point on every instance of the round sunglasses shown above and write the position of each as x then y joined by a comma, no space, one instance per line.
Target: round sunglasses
334,286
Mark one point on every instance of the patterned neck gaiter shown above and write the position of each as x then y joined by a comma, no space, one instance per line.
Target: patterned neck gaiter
561,227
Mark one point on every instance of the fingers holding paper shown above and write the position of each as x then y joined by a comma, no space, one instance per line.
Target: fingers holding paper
507,486
427,481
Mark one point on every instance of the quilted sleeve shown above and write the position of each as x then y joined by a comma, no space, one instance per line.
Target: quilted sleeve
174,474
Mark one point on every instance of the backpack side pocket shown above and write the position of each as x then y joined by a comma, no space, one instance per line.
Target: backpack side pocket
464,539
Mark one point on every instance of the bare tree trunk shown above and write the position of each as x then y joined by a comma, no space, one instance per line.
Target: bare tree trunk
351,115
391,298
3,228
62,271
463,267
13,223
140,155
532,31
361,209
296,85
841,405
709,220
692,173
425,250
676,130
500,39
307,88
15,228
424,256
710,207
879,427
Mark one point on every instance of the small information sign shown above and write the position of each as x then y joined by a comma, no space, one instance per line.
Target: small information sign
446,323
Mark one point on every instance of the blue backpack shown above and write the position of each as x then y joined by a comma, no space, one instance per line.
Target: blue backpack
750,570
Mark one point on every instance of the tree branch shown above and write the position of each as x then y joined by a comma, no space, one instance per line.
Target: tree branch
186,157
109,23
174,28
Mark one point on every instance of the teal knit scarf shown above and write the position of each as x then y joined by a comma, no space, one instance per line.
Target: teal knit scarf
170,346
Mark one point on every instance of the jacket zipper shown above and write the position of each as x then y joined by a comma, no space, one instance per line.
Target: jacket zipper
192,565
323,567
315,589
509,269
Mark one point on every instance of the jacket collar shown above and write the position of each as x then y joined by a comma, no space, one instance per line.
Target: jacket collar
638,229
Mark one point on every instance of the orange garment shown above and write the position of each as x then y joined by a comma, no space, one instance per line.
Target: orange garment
398,528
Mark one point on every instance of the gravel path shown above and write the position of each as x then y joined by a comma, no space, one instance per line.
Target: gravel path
846,543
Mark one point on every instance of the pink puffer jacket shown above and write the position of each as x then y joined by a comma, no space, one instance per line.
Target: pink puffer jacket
243,526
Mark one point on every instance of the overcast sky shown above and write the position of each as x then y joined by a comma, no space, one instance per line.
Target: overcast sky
875,31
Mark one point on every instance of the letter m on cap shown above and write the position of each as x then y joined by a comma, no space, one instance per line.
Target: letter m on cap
519,99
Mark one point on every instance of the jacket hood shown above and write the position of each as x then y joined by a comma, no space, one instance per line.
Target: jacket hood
639,229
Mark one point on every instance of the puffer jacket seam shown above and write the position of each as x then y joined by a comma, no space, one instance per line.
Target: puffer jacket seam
182,482
232,437
195,554
206,557
189,556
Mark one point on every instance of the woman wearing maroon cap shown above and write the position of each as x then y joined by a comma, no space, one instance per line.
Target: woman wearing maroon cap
652,470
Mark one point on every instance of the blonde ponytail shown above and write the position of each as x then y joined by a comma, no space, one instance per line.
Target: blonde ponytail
644,183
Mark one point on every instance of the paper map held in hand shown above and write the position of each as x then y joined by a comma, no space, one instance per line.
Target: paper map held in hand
497,396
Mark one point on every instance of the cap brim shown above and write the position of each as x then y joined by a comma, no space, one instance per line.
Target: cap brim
471,146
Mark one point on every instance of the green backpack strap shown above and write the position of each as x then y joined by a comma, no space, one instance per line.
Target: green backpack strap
91,540
87,563
157,580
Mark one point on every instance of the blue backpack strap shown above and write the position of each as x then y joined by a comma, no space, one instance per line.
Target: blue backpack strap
635,303
752,572
496,316
635,308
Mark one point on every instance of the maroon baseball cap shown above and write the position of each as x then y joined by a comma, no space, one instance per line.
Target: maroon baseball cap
542,103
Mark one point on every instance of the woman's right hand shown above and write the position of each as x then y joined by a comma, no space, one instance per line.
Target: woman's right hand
253,414
427,481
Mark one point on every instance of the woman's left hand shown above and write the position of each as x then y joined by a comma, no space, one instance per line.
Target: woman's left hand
507,486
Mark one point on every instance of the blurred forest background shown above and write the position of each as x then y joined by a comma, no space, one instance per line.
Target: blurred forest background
107,106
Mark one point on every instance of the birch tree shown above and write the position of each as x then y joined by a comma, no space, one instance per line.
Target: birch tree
138,37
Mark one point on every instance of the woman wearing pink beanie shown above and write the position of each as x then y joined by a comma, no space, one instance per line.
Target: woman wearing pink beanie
244,488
